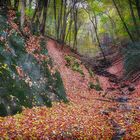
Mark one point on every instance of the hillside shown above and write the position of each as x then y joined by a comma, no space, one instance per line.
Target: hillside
69,70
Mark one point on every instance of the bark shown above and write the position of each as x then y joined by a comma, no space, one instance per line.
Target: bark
97,37
9,3
16,4
43,23
2,3
5,3
123,22
22,17
64,22
138,7
37,11
75,27
60,21
30,4
54,8
69,28
95,26
134,18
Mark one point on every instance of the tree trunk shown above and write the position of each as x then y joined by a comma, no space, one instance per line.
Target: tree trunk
42,27
30,5
134,18
9,3
75,27
3,3
124,24
97,37
138,7
69,28
64,22
16,4
22,17
60,21
54,8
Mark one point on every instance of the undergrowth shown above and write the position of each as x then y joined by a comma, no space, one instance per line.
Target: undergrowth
73,63
95,85
132,58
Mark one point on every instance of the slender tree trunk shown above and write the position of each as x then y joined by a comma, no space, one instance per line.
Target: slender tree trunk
16,4
75,27
42,27
138,7
134,18
60,21
3,3
22,17
9,3
97,37
54,7
95,26
30,5
37,9
70,25
124,24
64,22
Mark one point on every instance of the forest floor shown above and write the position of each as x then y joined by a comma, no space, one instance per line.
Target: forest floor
120,109
89,114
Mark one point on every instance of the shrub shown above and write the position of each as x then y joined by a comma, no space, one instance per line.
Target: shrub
95,86
73,63
132,58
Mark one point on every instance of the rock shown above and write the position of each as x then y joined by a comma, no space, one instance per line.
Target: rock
123,85
138,107
125,91
125,107
122,99
112,109
131,88
105,112
119,134
110,89
122,132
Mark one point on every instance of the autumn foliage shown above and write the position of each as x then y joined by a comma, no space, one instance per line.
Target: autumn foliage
89,114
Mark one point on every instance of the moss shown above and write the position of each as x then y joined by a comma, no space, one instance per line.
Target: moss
73,63
132,58
95,86
91,73
3,111
60,90
43,46
23,78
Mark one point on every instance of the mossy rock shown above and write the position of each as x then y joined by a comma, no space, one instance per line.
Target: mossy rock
37,82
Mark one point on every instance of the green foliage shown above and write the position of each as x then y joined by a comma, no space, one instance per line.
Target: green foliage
17,17
35,28
95,86
73,63
17,42
43,46
91,73
132,58
59,87
3,111
29,12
